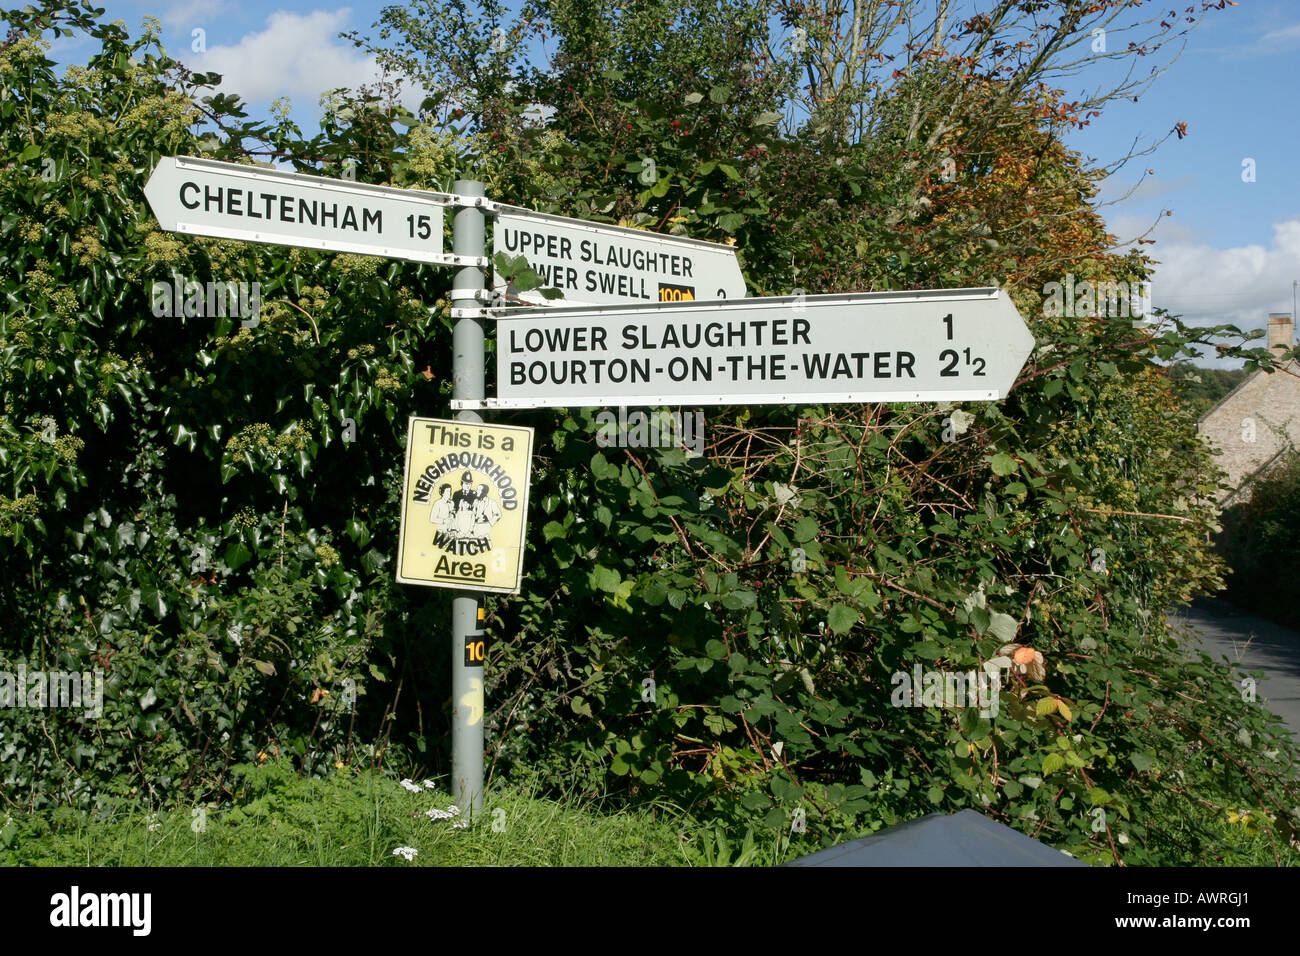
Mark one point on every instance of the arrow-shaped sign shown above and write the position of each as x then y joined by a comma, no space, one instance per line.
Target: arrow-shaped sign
592,263
229,201
954,345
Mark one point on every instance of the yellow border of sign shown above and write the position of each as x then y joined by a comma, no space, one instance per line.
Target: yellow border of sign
524,480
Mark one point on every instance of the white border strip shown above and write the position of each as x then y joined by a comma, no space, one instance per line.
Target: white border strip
770,398
789,303
331,245
327,183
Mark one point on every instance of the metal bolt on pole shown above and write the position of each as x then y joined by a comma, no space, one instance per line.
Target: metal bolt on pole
468,238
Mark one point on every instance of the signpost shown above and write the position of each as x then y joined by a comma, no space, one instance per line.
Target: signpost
229,201
663,321
204,197
942,345
468,239
597,264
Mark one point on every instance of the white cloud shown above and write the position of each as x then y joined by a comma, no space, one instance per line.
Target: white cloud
1287,36
1281,40
1160,228
1240,286
185,15
1115,189
297,55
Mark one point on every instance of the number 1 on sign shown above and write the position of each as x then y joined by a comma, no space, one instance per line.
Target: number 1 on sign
947,320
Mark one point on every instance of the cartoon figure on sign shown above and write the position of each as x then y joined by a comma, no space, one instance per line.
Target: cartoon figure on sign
465,518
486,512
443,510
464,525
466,492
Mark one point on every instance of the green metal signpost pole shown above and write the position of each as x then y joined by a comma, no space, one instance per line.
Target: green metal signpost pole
469,238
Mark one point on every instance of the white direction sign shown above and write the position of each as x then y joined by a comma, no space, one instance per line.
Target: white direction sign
596,264
953,345
229,201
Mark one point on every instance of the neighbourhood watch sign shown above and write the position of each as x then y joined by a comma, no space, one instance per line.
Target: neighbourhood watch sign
464,505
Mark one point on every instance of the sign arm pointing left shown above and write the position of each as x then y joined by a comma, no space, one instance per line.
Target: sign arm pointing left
205,197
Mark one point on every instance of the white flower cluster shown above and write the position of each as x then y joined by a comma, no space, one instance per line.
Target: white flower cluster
450,813
411,786
407,852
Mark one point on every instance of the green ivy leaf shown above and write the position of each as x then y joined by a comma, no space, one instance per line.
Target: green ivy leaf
736,600
605,579
1003,627
1002,464
842,618
655,592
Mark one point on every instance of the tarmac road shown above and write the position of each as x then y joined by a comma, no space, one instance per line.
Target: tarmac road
1250,643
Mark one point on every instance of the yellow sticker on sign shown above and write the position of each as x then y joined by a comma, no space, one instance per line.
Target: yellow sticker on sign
464,505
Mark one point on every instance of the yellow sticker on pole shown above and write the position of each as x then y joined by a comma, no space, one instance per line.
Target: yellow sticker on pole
465,505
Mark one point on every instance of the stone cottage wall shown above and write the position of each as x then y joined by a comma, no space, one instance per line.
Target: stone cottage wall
1254,423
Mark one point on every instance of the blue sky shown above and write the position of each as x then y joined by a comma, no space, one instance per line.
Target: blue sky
1228,250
